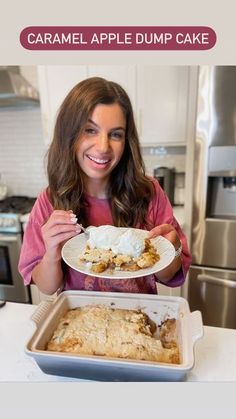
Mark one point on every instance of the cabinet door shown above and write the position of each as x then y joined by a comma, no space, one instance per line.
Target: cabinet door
122,74
38,296
54,84
162,102
171,292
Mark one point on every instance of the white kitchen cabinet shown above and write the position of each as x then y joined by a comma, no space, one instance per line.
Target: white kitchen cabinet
161,97
54,84
56,81
37,296
125,75
162,104
170,292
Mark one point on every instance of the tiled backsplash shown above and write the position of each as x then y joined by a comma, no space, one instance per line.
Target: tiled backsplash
22,151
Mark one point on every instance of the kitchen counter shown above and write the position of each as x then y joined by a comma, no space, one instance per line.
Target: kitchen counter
215,359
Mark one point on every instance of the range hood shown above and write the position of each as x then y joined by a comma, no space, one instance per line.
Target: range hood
15,90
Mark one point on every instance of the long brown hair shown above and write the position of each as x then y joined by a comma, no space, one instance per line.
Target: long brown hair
130,191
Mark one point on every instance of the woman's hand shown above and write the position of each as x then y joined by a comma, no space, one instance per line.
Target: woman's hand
60,227
167,231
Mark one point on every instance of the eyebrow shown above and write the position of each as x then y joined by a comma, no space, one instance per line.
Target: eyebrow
112,129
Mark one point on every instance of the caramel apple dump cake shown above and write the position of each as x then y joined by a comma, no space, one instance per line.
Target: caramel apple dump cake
118,249
116,333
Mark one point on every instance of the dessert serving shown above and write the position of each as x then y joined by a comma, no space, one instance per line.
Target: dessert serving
120,249
118,333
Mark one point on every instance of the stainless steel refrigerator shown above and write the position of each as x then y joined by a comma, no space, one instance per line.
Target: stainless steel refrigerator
212,276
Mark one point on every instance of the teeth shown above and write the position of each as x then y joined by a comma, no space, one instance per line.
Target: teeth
98,160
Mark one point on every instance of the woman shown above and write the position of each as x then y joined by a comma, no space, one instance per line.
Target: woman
96,177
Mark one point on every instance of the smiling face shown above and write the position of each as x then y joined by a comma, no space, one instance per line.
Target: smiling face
101,144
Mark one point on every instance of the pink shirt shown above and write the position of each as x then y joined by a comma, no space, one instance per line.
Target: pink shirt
99,213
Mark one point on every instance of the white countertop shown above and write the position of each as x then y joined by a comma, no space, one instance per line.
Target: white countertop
215,356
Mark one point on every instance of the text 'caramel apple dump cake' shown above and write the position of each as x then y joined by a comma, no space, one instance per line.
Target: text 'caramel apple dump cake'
118,249
115,333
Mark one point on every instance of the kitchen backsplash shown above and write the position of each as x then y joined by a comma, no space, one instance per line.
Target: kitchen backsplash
22,156
173,157
22,151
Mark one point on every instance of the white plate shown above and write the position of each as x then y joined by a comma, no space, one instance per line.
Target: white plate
73,248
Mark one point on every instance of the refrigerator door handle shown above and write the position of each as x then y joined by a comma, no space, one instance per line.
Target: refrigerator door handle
217,281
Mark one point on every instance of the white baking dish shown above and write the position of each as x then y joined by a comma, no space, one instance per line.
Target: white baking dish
158,308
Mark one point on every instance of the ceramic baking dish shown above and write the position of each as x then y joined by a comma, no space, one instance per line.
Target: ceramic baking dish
158,308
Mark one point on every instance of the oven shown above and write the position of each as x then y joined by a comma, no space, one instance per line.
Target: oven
11,283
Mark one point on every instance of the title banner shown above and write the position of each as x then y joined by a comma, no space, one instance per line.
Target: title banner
118,38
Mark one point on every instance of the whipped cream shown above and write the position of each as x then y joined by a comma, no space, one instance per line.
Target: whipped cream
127,242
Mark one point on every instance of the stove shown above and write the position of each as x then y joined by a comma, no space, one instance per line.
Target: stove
11,209
17,204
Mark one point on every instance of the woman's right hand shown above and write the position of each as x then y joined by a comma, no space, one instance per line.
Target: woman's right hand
60,227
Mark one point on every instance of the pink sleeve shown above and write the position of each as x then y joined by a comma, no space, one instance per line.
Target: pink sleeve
161,212
33,248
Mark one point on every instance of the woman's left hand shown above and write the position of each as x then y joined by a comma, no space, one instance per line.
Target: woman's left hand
167,231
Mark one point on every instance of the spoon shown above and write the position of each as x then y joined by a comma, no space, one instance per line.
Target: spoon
85,230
